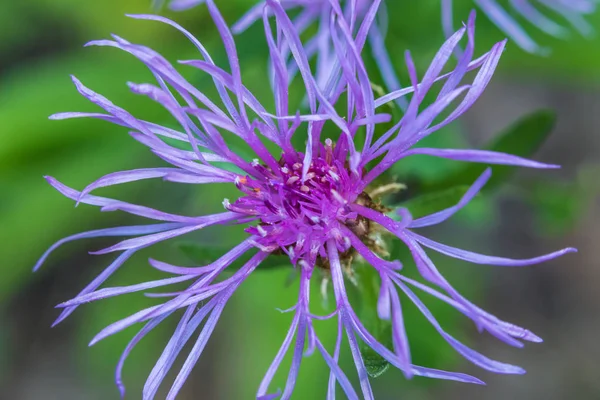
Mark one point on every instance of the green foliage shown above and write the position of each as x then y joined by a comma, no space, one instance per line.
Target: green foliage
560,205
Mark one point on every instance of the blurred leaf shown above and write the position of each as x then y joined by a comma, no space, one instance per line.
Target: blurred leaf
559,206
374,363
204,254
522,139
430,203
36,93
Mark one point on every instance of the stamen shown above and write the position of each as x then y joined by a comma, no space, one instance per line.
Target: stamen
338,196
292,180
261,231
324,284
335,176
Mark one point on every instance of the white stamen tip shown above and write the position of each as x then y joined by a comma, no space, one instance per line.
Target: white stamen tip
338,196
292,180
305,266
324,284
347,242
261,231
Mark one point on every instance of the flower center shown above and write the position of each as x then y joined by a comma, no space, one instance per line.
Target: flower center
300,208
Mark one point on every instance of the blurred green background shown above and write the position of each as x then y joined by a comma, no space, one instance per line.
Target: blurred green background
41,44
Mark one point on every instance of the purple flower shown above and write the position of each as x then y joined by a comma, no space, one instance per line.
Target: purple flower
572,11
319,46
311,204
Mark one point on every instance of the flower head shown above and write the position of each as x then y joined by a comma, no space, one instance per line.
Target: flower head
317,204
573,11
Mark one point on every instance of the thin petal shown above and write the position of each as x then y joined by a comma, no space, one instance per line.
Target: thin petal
338,373
483,259
136,339
117,291
470,354
149,240
108,232
443,215
99,280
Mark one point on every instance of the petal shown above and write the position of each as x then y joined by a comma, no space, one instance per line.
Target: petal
443,215
470,354
120,290
296,359
481,156
108,232
337,372
400,340
266,381
342,302
508,25
493,324
336,356
113,205
136,339
222,92
149,240
117,178
483,259
198,348
173,347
